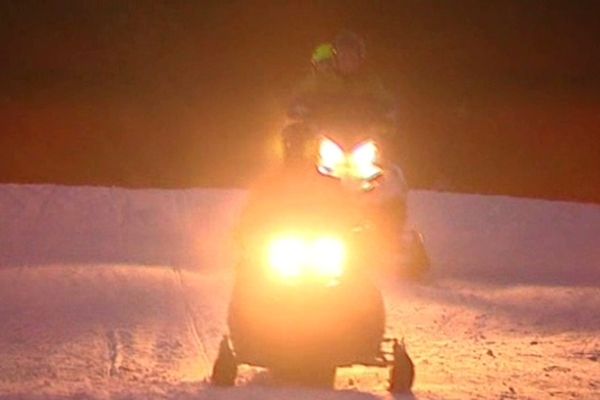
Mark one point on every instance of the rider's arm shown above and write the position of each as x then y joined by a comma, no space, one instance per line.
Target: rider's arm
303,98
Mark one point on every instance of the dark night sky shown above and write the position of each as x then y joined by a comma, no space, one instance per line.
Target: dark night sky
494,96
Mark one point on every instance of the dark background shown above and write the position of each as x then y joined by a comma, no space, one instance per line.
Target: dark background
494,96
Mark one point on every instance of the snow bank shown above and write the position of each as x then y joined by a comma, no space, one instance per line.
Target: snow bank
491,238
509,240
45,224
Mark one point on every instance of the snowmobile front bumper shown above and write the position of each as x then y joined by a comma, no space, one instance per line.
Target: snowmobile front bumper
341,325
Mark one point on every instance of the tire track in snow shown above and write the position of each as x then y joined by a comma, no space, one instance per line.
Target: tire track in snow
191,321
114,354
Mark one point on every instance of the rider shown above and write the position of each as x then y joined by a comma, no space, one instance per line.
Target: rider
342,86
340,80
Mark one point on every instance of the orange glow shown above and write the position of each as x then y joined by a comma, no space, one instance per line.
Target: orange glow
294,257
328,255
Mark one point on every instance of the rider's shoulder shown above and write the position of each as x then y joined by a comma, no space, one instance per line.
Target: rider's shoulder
318,81
370,77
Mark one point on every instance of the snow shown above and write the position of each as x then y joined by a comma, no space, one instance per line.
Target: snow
116,293
44,224
508,240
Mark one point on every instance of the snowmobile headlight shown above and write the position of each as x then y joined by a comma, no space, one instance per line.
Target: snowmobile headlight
363,161
331,158
320,258
286,257
360,164
328,256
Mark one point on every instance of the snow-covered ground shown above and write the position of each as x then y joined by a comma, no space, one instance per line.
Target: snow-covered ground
114,293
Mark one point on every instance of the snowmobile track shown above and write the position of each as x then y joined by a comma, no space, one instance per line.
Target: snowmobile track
191,319
114,355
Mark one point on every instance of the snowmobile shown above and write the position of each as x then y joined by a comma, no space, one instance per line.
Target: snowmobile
304,302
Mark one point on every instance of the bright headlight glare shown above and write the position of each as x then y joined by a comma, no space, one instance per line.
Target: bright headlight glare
328,257
292,258
366,153
363,161
286,257
331,156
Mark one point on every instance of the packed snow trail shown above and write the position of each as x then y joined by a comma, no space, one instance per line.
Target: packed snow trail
104,329
112,293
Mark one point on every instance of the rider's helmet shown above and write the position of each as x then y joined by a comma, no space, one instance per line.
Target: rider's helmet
323,57
350,52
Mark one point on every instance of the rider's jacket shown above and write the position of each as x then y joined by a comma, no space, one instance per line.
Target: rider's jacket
329,96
